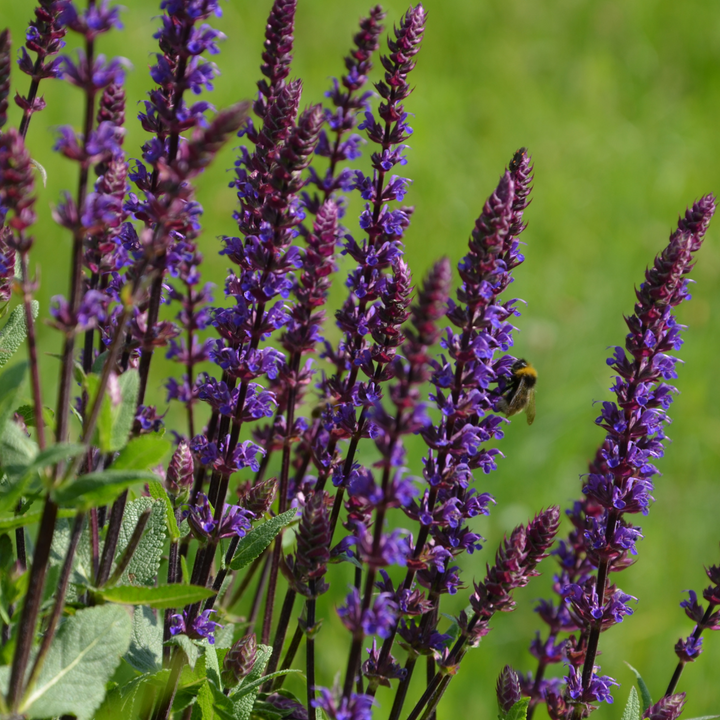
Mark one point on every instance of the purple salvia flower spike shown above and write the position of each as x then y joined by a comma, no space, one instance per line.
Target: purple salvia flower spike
313,554
277,54
44,37
17,186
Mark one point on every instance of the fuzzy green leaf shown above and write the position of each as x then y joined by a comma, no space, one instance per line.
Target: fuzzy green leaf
145,652
98,488
253,544
17,452
115,421
11,385
145,562
644,690
159,493
17,521
27,412
190,649
83,657
22,476
13,335
632,709
212,666
519,710
203,707
163,596
243,704
124,417
142,453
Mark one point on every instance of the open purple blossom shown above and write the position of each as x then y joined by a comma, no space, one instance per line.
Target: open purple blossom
375,620
197,628
235,521
355,707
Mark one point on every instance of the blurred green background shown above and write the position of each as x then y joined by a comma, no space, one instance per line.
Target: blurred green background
618,102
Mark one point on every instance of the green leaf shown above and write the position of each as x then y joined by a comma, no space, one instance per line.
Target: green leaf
98,488
115,421
142,453
124,417
212,665
243,704
22,475
17,452
14,333
519,710
159,493
644,691
18,521
11,385
99,363
632,709
82,658
57,453
203,707
251,687
145,652
163,596
253,544
187,646
132,700
145,562
28,414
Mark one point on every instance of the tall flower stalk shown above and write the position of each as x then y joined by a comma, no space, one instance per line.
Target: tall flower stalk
621,480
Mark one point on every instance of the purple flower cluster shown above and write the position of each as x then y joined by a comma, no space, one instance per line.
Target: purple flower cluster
620,483
234,521
250,363
196,628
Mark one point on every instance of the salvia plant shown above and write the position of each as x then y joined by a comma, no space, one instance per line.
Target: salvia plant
155,572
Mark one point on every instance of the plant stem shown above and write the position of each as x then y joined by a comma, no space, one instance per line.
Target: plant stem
281,630
111,538
31,607
59,598
162,711
696,636
310,649
66,372
131,546
289,657
255,608
245,582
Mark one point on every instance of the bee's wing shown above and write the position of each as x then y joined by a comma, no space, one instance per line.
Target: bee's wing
531,406
517,401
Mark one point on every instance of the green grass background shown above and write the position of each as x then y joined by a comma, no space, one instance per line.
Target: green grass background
618,102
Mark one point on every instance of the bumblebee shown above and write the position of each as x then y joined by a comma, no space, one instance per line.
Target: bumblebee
519,395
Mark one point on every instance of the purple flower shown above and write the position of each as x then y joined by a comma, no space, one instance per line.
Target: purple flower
198,628
688,650
235,520
376,620
356,707
597,691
